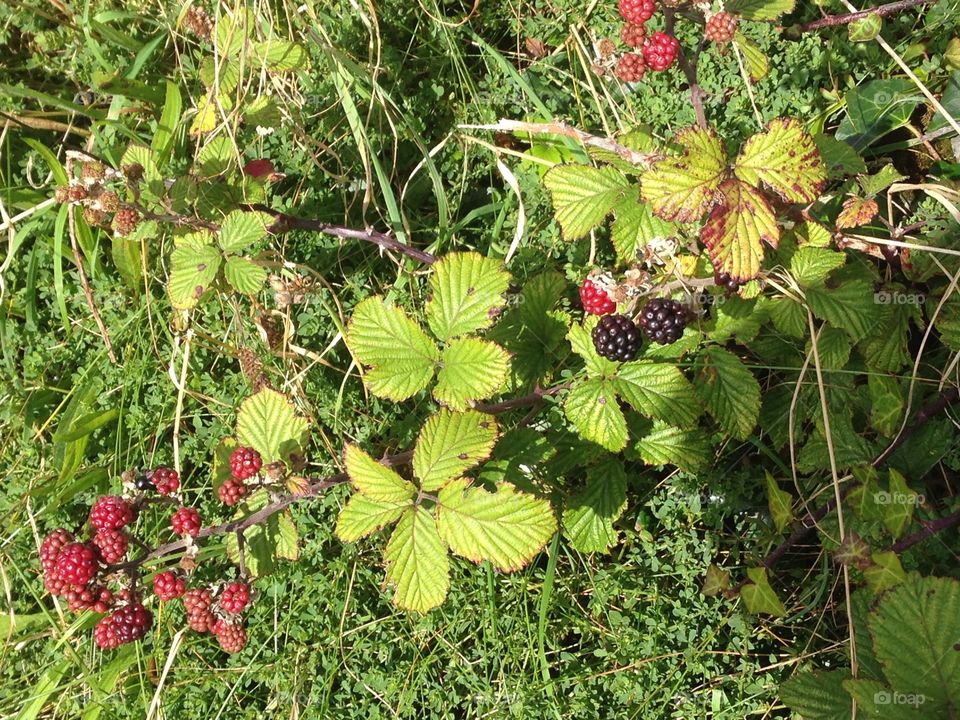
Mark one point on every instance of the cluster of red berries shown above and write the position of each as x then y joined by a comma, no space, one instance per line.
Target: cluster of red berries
219,614
245,463
595,298
720,28
658,52
101,205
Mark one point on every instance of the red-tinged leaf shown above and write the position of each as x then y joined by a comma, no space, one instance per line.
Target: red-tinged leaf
261,169
737,228
856,212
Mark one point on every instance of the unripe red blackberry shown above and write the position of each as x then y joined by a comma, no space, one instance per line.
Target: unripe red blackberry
636,11
77,563
51,546
660,51
186,521
231,491
235,597
108,201
104,634
110,512
165,480
595,299
125,221
93,597
633,34
630,67
76,193
131,622
245,463
663,320
167,585
616,337
197,602
113,545
720,27
231,636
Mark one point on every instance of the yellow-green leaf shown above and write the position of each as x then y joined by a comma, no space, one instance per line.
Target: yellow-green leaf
583,196
786,159
683,188
592,408
470,369
374,480
268,423
193,270
465,290
417,562
362,516
506,527
451,443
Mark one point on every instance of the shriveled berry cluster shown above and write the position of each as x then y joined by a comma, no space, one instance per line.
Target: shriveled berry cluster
663,320
101,205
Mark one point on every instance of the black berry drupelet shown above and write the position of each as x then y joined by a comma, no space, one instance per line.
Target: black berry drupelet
616,337
663,320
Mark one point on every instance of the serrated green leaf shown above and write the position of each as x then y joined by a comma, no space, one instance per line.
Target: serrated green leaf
811,265
668,445
288,539
231,31
736,229
205,118
880,180
875,109
592,407
582,344
268,423
465,290
899,504
216,157
589,516
886,403
222,78
193,270
244,275
362,516
875,700
682,189
583,196
128,259
780,503
760,9
813,234
281,55
263,541
841,159
400,354
885,573
850,306
759,597
818,695
470,369
789,317
915,629
658,391
451,443
634,226
417,562
833,347
785,158
730,392
506,527
758,64
262,111
377,482
241,229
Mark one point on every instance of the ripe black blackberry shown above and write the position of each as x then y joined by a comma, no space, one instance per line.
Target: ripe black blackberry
616,337
730,285
663,320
